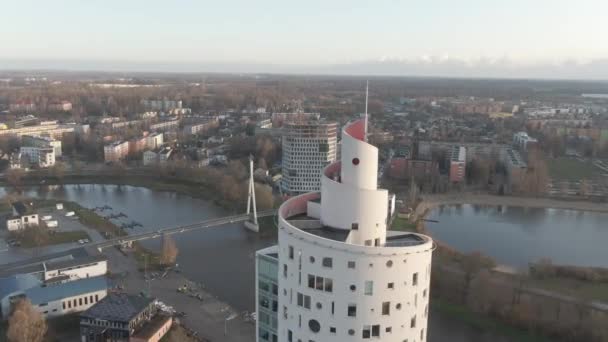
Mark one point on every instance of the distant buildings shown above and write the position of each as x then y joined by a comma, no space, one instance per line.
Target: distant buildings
115,151
458,163
122,317
60,106
49,128
42,142
41,157
307,148
523,142
161,105
22,106
154,140
201,127
164,126
278,119
21,218
515,165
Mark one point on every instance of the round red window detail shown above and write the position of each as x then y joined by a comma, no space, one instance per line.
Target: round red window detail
355,161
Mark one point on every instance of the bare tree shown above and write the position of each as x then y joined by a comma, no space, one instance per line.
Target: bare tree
25,323
169,251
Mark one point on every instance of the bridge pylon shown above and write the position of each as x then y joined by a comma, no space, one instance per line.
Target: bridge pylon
252,223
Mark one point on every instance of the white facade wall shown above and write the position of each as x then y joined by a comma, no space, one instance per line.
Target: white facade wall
71,305
17,223
150,158
407,300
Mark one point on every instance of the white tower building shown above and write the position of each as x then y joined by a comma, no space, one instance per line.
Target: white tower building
308,146
341,275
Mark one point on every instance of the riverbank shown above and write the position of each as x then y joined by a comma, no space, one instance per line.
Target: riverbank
430,202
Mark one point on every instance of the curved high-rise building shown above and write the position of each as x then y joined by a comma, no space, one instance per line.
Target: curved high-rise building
338,273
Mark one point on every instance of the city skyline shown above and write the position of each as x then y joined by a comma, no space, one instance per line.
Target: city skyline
543,39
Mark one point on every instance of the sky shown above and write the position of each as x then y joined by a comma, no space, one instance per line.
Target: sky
344,36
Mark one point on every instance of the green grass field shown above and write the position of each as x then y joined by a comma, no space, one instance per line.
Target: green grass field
572,169
401,224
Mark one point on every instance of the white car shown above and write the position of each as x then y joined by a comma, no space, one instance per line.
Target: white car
81,241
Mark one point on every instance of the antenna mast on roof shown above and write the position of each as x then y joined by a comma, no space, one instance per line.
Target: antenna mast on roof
366,96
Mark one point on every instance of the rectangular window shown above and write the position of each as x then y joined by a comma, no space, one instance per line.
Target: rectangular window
369,288
311,281
285,270
367,331
351,264
391,285
333,307
376,330
79,301
352,310
386,308
415,279
86,300
291,252
319,283
413,322
332,330
262,285
329,285
389,329
368,242
327,262
355,226
63,305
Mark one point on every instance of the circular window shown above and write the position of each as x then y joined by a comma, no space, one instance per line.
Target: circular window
312,260
389,263
398,306
319,305
351,331
353,288
314,325
355,161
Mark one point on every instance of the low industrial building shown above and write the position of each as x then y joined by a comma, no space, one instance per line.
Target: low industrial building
123,317
22,217
71,283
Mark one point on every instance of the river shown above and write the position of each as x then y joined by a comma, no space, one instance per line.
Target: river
223,258
516,236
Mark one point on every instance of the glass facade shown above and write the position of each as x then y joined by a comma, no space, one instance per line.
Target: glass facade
267,296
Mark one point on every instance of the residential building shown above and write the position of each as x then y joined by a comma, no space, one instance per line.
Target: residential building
307,148
115,151
42,142
405,168
458,164
22,106
161,105
164,126
515,165
22,217
52,299
264,124
60,106
523,142
121,317
340,275
154,140
52,129
40,156
201,127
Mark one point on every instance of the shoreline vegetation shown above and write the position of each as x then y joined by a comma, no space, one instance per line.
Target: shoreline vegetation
558,302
